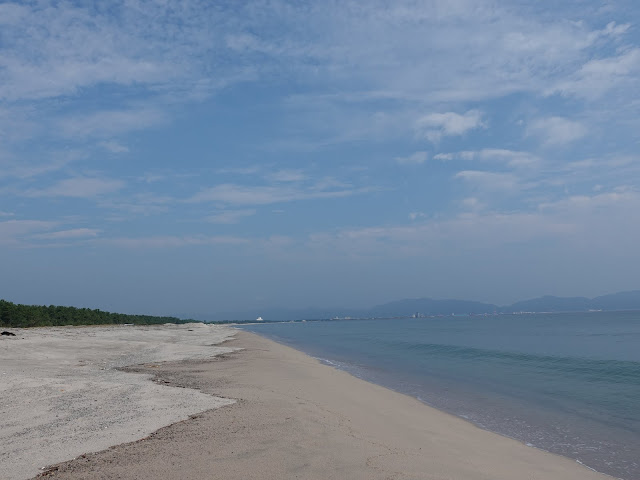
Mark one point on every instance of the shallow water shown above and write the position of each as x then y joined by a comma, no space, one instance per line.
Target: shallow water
566,383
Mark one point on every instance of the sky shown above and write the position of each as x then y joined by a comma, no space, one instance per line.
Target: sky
194,157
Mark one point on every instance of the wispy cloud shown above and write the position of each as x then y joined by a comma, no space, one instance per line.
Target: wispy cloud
81,47
230,216
68,234
78,187
490,180
142,203
557,131
445,237
114,147
232,194
287,176
416,158
24,167
250,170
171,241
599,76
564,221
437,125
472,203
177,120
14,232
109,123
510,158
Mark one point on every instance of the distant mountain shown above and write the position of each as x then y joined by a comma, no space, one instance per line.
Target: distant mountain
428,306
615,301
549,303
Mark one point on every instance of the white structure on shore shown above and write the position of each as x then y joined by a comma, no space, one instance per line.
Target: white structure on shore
259,319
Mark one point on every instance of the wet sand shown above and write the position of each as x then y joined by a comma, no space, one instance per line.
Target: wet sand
297,418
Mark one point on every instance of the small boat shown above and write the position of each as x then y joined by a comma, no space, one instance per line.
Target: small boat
259,319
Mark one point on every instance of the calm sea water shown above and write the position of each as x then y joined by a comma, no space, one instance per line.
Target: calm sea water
565,383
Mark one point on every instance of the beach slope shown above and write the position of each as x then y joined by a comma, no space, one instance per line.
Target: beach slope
297,418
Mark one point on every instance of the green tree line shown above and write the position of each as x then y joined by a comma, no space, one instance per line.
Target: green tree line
16,315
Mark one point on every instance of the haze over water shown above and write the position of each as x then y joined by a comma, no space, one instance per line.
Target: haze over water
566,383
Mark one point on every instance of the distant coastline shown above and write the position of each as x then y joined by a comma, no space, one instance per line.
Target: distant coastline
428,307
19,315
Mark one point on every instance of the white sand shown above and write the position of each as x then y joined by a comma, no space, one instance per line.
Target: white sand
299,419
61,396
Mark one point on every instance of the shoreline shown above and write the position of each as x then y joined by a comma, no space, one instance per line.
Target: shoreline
298,418
337,366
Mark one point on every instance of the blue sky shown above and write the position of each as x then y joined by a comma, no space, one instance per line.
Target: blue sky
192,157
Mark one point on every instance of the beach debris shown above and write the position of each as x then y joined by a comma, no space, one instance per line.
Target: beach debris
8,334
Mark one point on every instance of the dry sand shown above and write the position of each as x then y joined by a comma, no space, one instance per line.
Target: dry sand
61,394
297,418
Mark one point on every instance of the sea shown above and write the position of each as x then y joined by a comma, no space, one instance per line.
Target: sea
567,383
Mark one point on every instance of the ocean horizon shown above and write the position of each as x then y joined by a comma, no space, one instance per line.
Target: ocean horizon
567,383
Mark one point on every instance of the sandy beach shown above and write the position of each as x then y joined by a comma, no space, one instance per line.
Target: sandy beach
293,418
62,393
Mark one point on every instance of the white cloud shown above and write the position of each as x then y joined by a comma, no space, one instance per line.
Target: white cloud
490,180
250,170
434,53
472,203
599,76
437,125
114,147
416,215
233,194
26,168
55,49
12,13
619,200
78,187
466,232
510,158
14,232
69,234
556,131
445,157
569,222
171,241
230,216
615,29
143,203
110,123
416,158
243,195
287,176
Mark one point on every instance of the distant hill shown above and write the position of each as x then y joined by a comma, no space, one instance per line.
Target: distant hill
428,306
549,303
615,301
